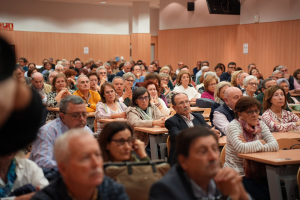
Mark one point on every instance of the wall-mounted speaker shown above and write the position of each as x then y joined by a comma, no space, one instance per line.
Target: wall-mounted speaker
190,6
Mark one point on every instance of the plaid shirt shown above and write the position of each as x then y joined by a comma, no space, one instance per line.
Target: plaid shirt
187,121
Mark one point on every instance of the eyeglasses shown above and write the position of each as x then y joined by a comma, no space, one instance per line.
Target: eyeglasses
121,141
212,85
78,115
251,112
130,81
143,98
102,73
253,84
184,102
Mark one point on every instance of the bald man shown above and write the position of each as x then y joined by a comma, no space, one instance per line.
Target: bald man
224,114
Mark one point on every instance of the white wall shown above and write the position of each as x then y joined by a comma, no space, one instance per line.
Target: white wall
269,10
41,16
174,15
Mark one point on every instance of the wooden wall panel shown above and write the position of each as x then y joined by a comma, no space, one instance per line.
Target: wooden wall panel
154,40
141,46
35,46
270,44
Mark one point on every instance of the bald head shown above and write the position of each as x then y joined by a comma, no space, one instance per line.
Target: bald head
36,75
231,96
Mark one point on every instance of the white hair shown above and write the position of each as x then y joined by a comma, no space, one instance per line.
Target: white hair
279,81
80,76
117,77
203,68
77,61
280,67
102,67
51,72
36,74
61,146
248,78
58,65
276,72
210,73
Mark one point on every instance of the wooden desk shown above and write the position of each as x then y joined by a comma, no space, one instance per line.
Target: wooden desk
284,163
152,130
288,135
112,120
193,103
295,95
53,109
193,109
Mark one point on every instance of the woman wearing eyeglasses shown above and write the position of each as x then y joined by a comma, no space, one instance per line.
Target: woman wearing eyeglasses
142,113
109,107
246,134
60,90
210,84
117,143
275,116
250,84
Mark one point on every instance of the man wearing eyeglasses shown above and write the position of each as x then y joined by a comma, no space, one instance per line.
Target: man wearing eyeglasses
290,78
183,119
90,97
227,75
224,114
136,70
72,114
22,63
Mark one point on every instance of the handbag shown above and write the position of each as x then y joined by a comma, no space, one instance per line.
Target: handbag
137,177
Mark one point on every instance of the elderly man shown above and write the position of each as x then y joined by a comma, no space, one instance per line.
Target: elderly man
240,79
110,75
80,164
289,77
227,75
124,95
59,68
180,65
78,66
183,119
90,97
202,70
136,70
126,68
277,75
199,73
269,82
251,66
224,114
197,174
102,74
151,69
72,114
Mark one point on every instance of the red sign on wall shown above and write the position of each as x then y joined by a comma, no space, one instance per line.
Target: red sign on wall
6,26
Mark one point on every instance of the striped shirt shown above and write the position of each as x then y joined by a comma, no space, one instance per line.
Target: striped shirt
234,145
43,147
287,121
189,122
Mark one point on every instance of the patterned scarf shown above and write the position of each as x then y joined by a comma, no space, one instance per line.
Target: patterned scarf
252,169
146,115
11,177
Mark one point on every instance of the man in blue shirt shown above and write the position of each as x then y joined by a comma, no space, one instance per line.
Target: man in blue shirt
199,73
136,70
126,68
22,63
227,75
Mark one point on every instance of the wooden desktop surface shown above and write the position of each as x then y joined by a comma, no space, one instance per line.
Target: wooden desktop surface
289,135
295,95
152,130
281,157
112,120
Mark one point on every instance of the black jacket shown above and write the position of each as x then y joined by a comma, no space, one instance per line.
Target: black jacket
176,124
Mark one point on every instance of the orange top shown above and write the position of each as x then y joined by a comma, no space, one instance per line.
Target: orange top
93,100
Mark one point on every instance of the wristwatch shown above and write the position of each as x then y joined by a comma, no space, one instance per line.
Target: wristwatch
89,105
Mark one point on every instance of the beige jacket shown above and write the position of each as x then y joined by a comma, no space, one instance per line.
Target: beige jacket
135,119
47,88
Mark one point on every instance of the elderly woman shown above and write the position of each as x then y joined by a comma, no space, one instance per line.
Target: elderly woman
219,96
168,82
60,90
142,113
70,74
246,134
275,115
200,87
282,82
234,78
164,79
109,107
154,93
210,84
117,144
184,79
250,84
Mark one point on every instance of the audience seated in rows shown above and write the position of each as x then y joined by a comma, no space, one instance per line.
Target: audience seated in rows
72,114
250,84
247,134
275,116
224,114
118,144
80,164
197,174
183,119
90,97
109,107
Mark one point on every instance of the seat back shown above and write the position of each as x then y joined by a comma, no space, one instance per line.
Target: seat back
168,145
222,157
287,143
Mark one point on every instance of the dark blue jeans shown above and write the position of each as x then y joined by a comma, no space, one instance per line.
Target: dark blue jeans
258,189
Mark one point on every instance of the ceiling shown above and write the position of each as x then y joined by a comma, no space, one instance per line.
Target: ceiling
153,3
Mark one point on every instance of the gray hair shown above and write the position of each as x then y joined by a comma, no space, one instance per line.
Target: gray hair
36,74
58,65
263,83
101,67
107,64
280,67
127,63
128,75
64,103
51,72
204,62
165,68
61,145
77,61
117,77
50,59
210,73
203,68
163,75
276,72
248,78
80,76
281,80
218,88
